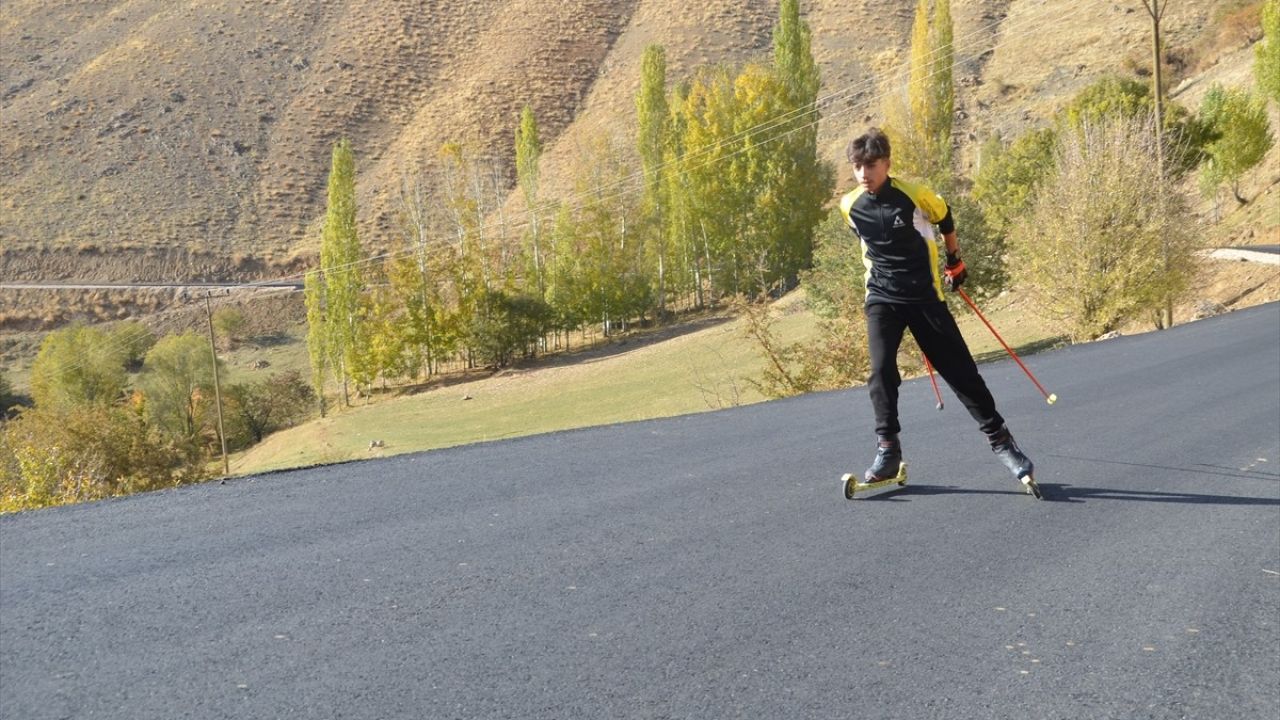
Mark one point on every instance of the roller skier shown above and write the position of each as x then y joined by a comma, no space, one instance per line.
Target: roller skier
895,220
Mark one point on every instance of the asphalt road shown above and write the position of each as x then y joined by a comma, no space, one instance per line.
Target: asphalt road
706,566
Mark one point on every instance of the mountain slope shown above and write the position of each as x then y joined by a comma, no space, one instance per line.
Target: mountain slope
141,130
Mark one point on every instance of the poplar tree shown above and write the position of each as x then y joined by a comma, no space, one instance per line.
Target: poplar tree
528,155
653,138
793,57
691,268
804,182
339,258
714,195
921,129
1266,57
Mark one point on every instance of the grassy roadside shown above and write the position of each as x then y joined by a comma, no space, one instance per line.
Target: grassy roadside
699,369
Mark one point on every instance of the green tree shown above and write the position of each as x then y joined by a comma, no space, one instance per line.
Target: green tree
1009,176
56,455
134,340
177,383
230,323
1185,136
653,140
801,182
77,365
417,278
711,195
750,198
1239,119
921,127
1121,244
474,267
528,157
1266,57
340,255
793,58
983,248
255,410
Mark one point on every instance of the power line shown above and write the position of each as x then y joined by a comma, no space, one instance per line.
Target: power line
622,185
783,119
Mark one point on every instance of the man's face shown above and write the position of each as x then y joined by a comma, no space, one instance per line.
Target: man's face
872,175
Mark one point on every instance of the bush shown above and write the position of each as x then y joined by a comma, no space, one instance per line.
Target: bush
256,410
505,325
77,365
134,341
1239,120
838,359
230,324
54,456
1106,238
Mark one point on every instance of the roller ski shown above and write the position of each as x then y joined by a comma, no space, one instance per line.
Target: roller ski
888,469
1007,450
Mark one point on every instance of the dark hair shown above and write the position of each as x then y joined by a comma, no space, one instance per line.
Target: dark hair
868,147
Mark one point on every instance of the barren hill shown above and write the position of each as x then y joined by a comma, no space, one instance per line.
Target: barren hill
170,139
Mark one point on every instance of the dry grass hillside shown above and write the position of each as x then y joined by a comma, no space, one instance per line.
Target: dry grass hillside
167,139
185,140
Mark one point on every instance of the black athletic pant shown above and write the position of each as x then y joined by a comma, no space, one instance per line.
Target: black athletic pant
936,333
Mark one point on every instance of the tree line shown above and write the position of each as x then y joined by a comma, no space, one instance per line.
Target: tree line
719,195
1076,212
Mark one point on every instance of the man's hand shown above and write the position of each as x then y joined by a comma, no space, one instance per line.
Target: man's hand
953,272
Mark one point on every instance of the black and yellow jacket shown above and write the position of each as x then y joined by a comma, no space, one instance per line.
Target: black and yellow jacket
899,246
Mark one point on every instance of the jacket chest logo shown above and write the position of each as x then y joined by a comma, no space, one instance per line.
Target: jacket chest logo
897,221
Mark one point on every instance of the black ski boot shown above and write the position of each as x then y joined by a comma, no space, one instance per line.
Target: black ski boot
888,464
1006,448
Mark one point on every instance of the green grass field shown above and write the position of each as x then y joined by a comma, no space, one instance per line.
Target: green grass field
701,367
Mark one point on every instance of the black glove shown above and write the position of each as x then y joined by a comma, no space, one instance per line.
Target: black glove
953,272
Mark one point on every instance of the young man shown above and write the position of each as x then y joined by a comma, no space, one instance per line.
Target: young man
895,221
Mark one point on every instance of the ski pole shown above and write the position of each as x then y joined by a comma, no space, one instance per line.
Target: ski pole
932,379
1048,396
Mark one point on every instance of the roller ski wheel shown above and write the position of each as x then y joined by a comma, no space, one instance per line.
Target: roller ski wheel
853,484
1012,457
1033,489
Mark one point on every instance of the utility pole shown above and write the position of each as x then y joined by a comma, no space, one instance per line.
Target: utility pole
1156,9
217,388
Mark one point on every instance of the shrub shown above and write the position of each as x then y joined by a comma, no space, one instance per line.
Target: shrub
1106,237
177,382
256,410
56,455
77,365
230,324
505,325
1239,119
134,340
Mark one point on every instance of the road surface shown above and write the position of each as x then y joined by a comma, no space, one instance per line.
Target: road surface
706,566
